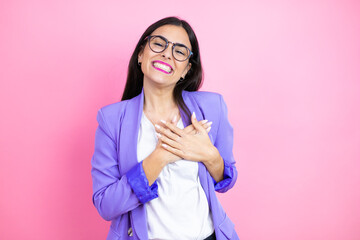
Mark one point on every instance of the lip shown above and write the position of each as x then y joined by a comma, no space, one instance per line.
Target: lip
166,64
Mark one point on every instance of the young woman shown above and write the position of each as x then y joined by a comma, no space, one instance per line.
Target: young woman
163,151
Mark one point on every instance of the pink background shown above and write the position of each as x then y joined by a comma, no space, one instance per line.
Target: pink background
289,72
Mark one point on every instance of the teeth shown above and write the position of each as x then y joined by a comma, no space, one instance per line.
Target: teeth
162,66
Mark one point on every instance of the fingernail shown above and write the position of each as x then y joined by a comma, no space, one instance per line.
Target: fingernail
158,135
174,119
164,145
209,123
204,121
193,115
163,121
157,126
208,129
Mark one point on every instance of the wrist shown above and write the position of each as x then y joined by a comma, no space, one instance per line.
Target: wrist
215,165
157,157
214,157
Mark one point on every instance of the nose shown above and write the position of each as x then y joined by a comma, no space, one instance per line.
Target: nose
167,53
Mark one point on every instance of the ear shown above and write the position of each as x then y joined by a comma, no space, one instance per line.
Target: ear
186,70
140,55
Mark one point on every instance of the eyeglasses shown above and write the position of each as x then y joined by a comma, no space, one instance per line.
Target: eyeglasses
159,43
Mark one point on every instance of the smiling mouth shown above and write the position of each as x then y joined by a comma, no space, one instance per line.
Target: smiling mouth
163,67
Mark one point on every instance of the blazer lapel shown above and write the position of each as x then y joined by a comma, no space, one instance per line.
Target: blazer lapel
129,132
194,107
128,150
128,155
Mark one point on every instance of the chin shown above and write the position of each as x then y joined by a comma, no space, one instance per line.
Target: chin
162,81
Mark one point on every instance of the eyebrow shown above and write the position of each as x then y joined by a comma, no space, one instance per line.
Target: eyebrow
175,42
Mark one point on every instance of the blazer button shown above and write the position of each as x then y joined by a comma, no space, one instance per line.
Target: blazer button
130,232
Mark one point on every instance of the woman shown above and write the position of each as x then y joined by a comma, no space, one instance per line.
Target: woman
156,167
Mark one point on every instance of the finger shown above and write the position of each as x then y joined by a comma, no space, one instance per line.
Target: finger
175,151
208,126
174,119
196,124
193,132
173,128
189,129
167,132
168,141
202,122
208,129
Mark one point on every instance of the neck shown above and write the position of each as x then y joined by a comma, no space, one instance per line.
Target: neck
159,103
158,99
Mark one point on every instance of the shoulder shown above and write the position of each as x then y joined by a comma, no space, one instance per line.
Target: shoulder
114,109
112,114
110,117
204,98
119,108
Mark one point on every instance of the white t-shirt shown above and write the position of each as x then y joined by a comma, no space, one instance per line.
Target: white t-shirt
181,211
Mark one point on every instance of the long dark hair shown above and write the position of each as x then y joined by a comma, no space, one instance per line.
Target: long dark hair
193,78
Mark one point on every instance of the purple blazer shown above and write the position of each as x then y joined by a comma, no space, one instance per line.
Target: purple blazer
120,187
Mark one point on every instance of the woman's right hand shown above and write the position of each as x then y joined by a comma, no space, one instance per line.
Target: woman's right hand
160,157
169,157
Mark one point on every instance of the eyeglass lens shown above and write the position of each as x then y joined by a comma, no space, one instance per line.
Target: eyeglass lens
158,44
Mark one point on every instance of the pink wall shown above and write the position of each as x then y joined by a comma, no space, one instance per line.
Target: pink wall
289,71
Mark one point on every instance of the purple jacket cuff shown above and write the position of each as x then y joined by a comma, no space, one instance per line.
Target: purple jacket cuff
140,185
228,175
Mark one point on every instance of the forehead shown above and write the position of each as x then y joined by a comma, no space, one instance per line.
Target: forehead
174,34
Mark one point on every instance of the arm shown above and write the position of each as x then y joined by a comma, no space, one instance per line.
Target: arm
217,158
224,144
160,157
113,194
220,161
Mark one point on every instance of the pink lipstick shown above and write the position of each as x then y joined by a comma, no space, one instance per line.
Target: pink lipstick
162,66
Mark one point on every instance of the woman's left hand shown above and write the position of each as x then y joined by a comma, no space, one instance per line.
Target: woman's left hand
194,147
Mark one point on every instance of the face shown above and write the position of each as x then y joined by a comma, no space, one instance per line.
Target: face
162,69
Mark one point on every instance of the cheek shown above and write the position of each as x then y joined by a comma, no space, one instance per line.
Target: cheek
146,54
182,68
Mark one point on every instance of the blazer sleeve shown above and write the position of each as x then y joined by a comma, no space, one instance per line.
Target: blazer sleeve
113,194
224,144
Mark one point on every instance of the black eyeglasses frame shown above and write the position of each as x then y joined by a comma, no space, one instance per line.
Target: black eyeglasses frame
148,38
